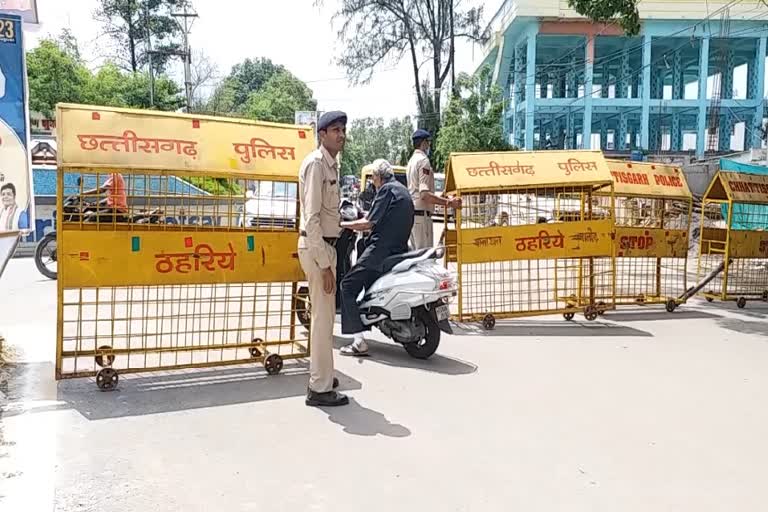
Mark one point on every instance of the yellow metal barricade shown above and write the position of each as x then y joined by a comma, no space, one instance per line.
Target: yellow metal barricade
653,217
200,267
734,238
532,236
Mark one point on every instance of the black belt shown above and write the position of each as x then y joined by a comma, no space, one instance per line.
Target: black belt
327,239
422,213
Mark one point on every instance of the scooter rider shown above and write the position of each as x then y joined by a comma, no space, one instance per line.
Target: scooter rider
390,222
421,185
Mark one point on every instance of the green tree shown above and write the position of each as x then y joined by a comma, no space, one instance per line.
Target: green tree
167,95
278,99
371,138
55,76
247,77
112,87
623,11
128,23
472,121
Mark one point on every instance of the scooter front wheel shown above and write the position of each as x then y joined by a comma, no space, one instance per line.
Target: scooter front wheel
423,349
46,259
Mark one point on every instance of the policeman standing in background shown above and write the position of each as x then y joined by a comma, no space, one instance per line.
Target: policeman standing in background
318,232
421,185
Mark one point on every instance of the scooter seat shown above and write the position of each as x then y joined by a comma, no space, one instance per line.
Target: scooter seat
390,263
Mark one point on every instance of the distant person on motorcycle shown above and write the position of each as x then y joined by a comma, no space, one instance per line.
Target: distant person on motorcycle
390,222
114,207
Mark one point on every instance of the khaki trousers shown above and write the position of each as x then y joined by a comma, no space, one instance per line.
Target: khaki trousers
323,313
422,234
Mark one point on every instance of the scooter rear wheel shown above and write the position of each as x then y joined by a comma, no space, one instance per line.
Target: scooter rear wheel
423,349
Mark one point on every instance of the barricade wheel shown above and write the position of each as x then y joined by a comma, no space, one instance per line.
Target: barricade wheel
601,308
110,358
255,352
303,307
640,299
671,305
106,379
569,316
489,322
765,295
710,299
590,313
273,364
741,303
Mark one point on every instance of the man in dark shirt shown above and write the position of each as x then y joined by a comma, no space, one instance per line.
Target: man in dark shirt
390,222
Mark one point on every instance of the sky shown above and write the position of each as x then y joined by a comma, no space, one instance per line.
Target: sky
294,33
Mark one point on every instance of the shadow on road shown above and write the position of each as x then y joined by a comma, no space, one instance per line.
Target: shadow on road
743,326
754,309
552,328
184,390
390,354
357,420
647,316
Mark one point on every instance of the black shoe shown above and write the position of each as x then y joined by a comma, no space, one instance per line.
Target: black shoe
327,399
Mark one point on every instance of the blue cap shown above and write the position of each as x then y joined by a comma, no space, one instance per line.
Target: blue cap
420,135
329,118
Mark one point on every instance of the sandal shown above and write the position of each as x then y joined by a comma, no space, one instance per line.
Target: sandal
352,350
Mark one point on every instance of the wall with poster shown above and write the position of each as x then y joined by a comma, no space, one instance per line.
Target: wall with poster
16,199
27,9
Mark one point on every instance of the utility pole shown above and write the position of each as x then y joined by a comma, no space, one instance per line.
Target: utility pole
186,26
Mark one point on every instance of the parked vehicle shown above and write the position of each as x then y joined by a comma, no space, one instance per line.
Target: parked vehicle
74,209
409,302
270,205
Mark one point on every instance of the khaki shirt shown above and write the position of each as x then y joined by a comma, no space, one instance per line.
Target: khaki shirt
420,178
319,201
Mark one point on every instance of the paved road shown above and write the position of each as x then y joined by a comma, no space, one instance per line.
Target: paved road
640,411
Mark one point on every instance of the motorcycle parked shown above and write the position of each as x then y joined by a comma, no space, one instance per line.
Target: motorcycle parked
74,209
409,302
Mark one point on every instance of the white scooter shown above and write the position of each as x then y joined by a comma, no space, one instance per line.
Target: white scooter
409,302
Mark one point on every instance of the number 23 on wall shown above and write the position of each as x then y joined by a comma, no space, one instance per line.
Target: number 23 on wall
7,30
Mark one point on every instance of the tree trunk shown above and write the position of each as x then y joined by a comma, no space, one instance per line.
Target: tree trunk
415,64
132,46
438,87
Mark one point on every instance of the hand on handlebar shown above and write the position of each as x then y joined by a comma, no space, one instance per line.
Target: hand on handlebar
454,202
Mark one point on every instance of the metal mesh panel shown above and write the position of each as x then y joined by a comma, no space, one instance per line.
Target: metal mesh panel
522,284
216,311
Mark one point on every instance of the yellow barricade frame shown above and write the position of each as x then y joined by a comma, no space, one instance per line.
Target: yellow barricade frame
742,253
654,206
562,266
134,279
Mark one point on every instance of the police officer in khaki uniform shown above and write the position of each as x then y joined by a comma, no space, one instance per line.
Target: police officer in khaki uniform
421,185
318,232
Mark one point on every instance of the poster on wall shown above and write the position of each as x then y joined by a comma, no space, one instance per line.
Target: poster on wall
16,201
27,9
